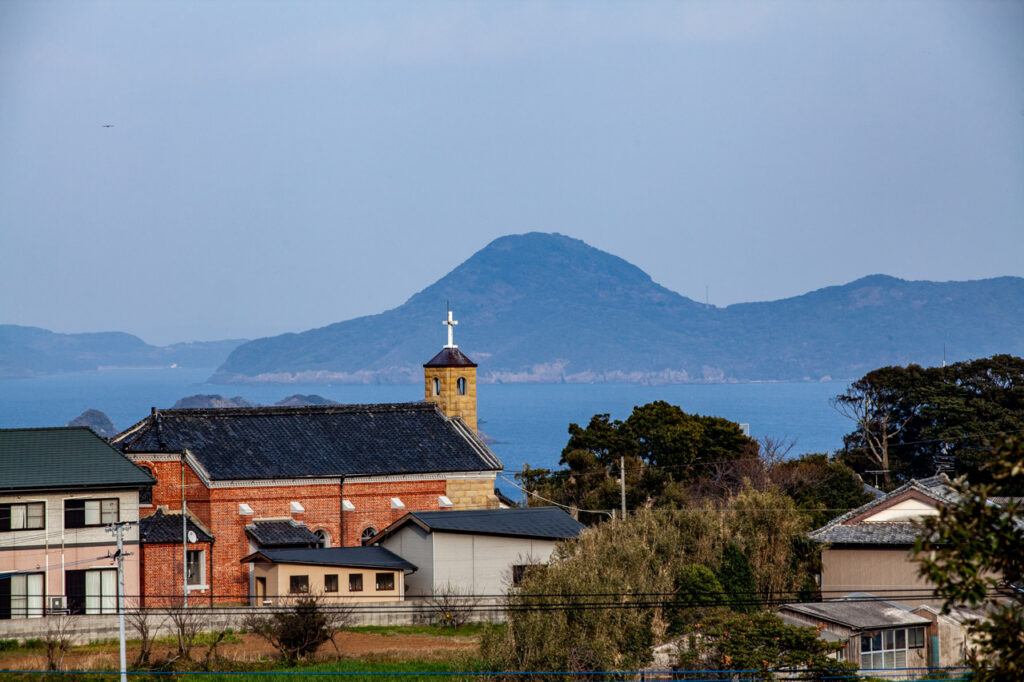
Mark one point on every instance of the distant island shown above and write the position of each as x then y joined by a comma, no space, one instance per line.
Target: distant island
31,351
549,308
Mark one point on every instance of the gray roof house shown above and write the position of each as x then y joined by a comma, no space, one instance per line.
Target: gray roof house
475,552
881,634
869,548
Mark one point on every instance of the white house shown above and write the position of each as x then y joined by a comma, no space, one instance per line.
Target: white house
476,552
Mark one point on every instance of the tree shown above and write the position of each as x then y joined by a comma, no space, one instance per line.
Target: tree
298,628
823,488
876,405
759,641
976,547
946,417
666,453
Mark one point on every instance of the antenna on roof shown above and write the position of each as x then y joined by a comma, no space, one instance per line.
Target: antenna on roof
943,355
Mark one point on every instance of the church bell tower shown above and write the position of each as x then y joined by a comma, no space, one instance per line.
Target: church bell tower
450,380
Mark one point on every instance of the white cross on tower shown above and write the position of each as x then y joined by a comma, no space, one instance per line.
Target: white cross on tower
450,323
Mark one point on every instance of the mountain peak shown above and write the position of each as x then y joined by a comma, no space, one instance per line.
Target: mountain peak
548,307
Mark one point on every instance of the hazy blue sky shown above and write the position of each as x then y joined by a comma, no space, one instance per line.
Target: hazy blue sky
280,166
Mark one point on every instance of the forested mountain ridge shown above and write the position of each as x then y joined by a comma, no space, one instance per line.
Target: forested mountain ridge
549,308
31,351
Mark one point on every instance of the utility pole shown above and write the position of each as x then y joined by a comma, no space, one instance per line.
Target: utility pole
117,528
622,484
184,534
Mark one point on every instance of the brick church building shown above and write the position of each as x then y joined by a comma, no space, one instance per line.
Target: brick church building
290,477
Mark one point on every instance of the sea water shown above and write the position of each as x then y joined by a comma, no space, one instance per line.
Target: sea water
524,423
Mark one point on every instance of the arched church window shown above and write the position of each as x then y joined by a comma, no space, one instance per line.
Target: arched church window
437,386
368,534
461,383
323,539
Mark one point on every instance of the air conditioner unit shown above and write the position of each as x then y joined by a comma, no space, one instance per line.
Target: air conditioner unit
57,605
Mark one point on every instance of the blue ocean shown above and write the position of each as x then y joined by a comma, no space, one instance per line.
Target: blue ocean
527,422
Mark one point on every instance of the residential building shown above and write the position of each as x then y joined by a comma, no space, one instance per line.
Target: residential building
61,489
336,574
884,635
475,552
869,549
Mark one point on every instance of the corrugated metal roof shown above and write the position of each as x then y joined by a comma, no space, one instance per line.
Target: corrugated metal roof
314,441
63,457
549,523
861,612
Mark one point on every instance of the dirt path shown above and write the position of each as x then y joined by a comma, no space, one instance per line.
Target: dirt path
249,647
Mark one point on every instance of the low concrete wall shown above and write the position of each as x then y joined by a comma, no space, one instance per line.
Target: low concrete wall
85,629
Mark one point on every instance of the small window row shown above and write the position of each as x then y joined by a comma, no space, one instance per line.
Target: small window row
77,514
383,582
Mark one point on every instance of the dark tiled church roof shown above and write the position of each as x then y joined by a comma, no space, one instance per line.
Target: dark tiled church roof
450,357
314,441
161,527
281,534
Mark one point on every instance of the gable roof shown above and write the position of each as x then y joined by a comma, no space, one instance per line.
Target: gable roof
64,457
545,523
353,557
281,533
861,611
163,527
314,441
848,529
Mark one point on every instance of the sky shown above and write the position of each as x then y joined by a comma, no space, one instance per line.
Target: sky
273,167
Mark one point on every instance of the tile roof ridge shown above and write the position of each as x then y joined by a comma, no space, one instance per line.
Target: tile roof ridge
47,428
271,410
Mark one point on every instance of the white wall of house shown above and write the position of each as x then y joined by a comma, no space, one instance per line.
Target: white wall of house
907,510
470,563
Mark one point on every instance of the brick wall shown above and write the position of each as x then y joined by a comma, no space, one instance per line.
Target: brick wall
161,583
167,490
322,503
373,504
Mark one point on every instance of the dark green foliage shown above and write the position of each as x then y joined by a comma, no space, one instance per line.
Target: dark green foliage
696,590
823,487
759,641
666,451
737,580
976,546
931,412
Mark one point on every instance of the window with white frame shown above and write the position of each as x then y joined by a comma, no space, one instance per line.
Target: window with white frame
888,648
195,567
